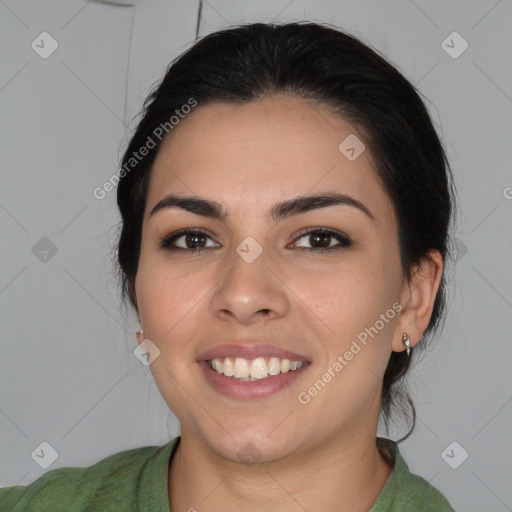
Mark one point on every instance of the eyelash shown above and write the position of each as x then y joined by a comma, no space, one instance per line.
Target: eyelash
167,241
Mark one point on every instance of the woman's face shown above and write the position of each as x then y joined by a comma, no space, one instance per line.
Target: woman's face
261,288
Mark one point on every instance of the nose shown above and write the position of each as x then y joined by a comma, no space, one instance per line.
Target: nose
250,292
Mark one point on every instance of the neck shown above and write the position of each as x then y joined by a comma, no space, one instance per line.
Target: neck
343,475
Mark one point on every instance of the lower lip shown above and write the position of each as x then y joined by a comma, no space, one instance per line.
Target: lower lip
250,389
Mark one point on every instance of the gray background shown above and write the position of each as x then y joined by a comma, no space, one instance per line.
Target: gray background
68,373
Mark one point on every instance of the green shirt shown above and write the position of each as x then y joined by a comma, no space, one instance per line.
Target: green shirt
137,480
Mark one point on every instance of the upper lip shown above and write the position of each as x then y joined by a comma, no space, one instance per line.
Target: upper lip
248,351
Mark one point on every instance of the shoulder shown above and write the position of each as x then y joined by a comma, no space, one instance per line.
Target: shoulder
113,480
422,496
405,490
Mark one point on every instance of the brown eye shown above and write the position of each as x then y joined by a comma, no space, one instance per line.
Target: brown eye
187,240
323,239
195,240
320,239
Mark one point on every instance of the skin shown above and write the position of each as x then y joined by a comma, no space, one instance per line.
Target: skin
320,456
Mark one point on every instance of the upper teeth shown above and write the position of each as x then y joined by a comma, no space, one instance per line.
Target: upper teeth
254,369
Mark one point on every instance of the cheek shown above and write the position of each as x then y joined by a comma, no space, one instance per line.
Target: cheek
166,297
346,298
356,304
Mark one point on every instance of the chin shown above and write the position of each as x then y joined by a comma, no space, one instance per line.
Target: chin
252,445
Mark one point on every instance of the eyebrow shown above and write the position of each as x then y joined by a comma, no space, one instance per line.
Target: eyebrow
294,206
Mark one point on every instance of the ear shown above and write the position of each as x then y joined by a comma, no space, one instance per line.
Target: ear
417,299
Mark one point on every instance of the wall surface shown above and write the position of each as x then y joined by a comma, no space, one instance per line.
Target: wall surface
73,77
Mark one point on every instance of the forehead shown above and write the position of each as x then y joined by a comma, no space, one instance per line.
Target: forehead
261,152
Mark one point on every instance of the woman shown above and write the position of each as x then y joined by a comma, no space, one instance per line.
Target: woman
285,204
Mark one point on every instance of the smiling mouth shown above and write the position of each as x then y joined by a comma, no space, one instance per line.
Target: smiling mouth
259,368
